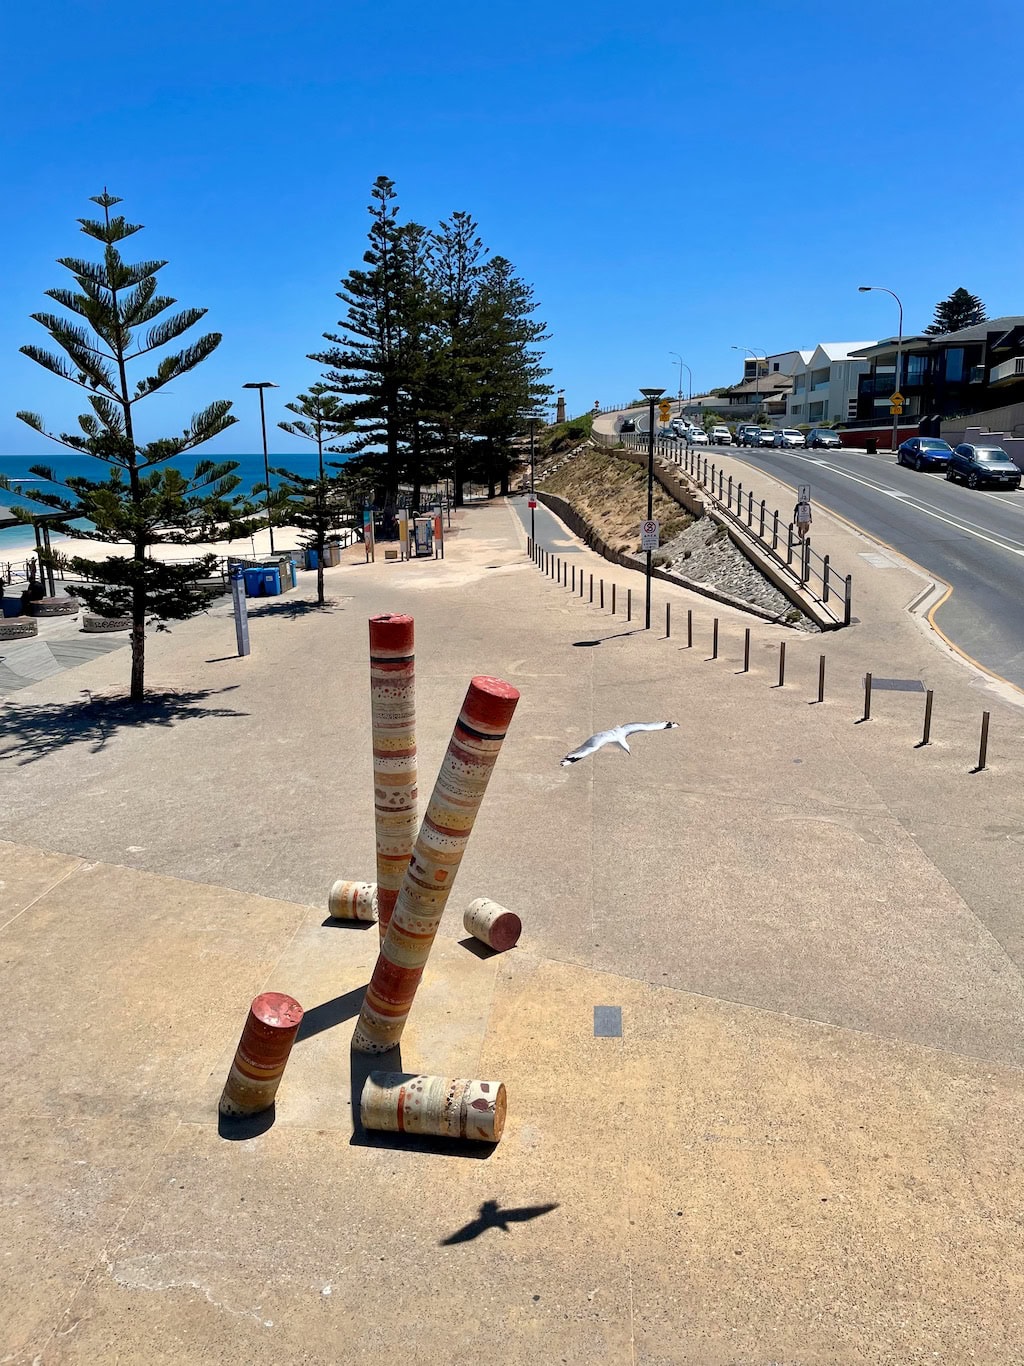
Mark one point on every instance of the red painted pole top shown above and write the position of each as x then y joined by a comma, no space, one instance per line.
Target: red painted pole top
490,703
391,631
277,1011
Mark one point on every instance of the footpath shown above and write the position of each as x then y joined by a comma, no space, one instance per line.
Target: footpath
801,1144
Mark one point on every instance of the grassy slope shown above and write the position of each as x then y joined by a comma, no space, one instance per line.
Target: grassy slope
612,495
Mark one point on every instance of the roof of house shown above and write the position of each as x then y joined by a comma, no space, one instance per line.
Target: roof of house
1004,327
840,350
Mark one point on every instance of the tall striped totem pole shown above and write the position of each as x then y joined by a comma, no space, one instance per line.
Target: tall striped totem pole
393,724
459,790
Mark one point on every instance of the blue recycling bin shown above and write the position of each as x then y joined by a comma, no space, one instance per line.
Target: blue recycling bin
262,583
312,558
253,582
294,572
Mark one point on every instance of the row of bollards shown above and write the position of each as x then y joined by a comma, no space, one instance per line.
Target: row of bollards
544,561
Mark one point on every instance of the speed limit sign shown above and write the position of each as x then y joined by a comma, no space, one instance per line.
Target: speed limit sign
648,535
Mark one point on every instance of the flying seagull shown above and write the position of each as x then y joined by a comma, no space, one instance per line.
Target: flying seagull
616,736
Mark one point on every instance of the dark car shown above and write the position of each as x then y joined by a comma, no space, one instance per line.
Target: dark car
628,424
751,436
924,452
823,438
977,465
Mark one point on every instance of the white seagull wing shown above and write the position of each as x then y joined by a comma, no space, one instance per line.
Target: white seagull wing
631,726
603,737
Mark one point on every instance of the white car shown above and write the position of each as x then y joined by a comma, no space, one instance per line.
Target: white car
721,436
789,438
698,437
767,437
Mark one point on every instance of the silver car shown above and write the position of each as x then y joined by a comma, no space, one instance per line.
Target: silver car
766,436
788,438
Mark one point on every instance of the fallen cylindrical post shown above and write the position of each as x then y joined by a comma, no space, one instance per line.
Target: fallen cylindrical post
668,621
983,748
714,640
782,664
867,698
498,927
442,1107
746,650
821,678
447,824
927,735
261,1056
689,628
393,725
349,900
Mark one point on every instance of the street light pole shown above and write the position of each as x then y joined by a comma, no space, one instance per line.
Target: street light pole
533,495
679,359
265,384
866,289
757,371
652,396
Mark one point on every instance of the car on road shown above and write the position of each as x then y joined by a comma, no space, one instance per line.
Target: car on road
924,452
824,439
628,425
748,435
766,436
681,425
698,437
721,435
977,465
788,438
668,434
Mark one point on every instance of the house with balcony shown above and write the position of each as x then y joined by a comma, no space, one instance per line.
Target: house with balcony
825,386
970,371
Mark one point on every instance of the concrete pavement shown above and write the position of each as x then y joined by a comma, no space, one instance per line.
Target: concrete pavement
802,1147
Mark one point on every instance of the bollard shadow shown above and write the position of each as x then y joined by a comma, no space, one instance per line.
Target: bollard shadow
330,1013
618,635
978,768
246,1126
493,1216
332,924
477,947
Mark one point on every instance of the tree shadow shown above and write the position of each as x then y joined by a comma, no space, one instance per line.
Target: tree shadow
493,1216
290,608
35,732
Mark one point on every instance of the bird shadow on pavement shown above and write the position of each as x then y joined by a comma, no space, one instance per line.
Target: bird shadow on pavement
493,1216
618,635
29,733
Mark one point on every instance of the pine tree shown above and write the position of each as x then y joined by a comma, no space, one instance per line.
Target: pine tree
144,500
959,310
316,506
368,359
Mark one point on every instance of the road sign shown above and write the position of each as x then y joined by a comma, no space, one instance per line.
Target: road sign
648,535
895,409
897,397
532,503
805,494
665,409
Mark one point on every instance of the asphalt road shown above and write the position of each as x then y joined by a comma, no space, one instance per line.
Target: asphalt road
971,538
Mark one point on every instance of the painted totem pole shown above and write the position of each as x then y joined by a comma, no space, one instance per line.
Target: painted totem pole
393,724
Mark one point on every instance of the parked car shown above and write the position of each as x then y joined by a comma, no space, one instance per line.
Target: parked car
766,436
668,434
977,465
924,452
628,425
681,425
788,438
823,438
721,435
746,435
698,437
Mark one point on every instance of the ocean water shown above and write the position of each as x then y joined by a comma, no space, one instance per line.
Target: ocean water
16,542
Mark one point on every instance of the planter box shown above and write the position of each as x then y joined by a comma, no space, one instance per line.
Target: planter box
18,630
53,607
94,624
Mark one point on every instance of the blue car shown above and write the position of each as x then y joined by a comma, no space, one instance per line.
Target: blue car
977,465
925,453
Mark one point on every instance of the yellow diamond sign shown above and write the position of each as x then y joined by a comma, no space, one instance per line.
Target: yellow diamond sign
897,397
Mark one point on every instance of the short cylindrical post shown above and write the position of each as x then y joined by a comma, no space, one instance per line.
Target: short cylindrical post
805,561
775,529
782,664
393,737
983,747
824,579
689,628
927,735
728,501
739,500
494,925
574,578
261,1056
443,1107
789,543
761,532
349,900
447,824
848,602
713,469
721,476
750,509
581,581
714,639
746,650
613,599
629,604
867,698
668,621
821,678
601,601
591,588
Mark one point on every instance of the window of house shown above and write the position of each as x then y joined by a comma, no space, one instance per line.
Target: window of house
816,411
798,383
917,369
775,367
796,409
819,378
954,364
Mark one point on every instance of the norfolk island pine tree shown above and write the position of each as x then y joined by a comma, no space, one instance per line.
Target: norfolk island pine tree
143,500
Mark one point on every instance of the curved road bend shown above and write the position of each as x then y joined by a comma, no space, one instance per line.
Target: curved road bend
973,539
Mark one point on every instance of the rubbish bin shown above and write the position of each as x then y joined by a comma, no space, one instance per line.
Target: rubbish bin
424,538
871,445
293,571
271,582
253,582
312,558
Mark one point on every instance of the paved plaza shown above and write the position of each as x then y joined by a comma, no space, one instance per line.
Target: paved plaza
800,1147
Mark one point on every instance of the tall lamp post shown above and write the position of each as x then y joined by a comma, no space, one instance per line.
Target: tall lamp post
757,370
261,385
652,396
532,419
682,366
866,289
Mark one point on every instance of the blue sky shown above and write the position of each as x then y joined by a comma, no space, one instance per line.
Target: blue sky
669,176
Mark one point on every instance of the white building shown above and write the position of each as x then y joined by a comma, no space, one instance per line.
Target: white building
825,385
